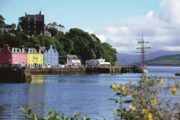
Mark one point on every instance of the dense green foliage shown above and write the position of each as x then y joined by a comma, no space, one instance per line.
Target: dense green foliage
52,115
75,41
2,23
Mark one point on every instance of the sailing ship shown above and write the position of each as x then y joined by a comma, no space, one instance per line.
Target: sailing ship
143,66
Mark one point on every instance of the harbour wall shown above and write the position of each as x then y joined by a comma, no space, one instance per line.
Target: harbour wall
79,70
20,75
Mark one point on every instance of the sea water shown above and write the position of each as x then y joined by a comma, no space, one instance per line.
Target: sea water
82,93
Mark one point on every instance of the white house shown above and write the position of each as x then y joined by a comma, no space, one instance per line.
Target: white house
73,61
97,63
55,26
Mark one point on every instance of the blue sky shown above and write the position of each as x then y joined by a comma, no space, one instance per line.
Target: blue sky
84,14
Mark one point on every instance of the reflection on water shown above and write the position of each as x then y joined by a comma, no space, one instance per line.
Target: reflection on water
37,94
68,93
39,79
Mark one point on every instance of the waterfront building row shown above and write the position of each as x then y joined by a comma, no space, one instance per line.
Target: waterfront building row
44,58
29,57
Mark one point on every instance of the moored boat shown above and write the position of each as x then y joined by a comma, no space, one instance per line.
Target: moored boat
177,74
145,71
143,66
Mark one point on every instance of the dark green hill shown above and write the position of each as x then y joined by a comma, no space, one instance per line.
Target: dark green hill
165,60
75,41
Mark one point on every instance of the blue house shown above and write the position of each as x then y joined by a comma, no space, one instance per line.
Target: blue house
51,56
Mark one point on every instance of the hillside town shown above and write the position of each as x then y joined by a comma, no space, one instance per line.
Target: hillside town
41,57
47,58
89,60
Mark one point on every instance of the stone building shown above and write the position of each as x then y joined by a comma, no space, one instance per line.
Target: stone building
32,24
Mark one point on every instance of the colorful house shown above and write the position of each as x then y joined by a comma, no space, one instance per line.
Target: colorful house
51,57
19,56
13,56
5,55
35,58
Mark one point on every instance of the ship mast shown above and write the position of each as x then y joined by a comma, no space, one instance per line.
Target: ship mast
143,51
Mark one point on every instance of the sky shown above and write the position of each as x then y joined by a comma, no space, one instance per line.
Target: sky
118,22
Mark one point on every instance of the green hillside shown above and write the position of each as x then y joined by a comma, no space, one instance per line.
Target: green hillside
165,60
75,41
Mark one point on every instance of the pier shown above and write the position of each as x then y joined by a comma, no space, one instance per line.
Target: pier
11,75
131,69
22,75
79,70
51,71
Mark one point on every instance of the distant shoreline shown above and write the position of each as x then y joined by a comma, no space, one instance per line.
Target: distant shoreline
164,65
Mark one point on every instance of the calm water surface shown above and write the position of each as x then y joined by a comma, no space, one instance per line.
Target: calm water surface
69,93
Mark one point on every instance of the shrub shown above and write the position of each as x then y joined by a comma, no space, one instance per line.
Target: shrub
51,115
142,101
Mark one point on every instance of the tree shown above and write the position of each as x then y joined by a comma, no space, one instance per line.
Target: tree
2,23
76,41
67,43
81,41
89,46
13,26
108,53
54,28
53,31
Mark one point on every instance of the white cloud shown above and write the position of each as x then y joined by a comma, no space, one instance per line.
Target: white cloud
150,14
89,31
169,48
171,9
102,38
162,31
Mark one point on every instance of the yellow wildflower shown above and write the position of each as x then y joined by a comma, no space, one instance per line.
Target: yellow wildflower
150,116
173,90
114,86
132,107
154,101
123,89
144,111
160,81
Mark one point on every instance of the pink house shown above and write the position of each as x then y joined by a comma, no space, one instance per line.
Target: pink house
12,55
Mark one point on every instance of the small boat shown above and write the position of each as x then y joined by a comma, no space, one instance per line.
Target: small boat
144,69
177,74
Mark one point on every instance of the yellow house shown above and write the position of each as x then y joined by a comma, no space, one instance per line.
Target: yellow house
35,58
